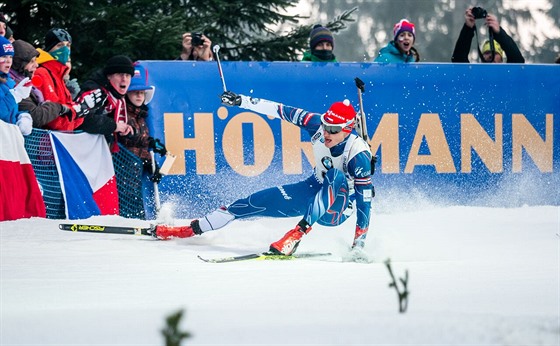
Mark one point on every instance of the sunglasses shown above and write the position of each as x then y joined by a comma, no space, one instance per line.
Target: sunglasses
332,129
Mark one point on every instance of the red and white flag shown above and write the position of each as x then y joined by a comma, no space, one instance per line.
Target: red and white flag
20,196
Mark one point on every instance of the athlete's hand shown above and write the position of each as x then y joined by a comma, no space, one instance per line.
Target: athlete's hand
230,99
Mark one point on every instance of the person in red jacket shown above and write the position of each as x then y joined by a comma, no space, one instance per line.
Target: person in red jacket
52,68
24,66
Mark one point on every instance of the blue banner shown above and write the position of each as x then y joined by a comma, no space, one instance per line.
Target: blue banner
476,134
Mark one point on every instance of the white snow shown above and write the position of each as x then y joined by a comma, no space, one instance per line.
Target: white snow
478,276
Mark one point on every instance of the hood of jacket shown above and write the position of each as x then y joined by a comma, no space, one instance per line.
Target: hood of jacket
43,56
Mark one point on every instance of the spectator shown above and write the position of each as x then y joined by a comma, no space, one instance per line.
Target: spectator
24,66
52,67
3,25
196,46
401,48
10,96
113,82
557,59
321,45
504,46
137,98
340,180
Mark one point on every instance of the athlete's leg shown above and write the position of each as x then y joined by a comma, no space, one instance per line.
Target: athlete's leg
329,203
325,207
281,201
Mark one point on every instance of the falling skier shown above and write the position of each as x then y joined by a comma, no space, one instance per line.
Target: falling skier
340,182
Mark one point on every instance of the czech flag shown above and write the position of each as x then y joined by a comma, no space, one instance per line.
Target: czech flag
86,173
20,196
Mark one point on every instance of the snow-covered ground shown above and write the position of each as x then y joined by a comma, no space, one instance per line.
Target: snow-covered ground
478,276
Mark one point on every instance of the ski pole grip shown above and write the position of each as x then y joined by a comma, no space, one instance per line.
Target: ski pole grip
360,84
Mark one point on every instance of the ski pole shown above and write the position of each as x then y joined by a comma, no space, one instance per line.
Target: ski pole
363,126
156,188
216,50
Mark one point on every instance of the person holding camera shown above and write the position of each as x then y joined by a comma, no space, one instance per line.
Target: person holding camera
196,46
499,45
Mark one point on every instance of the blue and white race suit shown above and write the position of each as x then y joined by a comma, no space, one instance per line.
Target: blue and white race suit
340,183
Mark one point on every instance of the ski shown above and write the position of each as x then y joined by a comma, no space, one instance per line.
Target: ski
264,256
76,227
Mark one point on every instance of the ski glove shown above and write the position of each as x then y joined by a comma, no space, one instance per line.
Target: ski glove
25,123
230,99
90,102
73,87
22,90
157,146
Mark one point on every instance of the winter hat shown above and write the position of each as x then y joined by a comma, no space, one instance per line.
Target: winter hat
401,26
340,113
320,34
139,81
6,47
54,36
2,18
119,64
24,52
497,48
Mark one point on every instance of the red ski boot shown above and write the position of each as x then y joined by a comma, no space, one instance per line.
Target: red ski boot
290,241
166,232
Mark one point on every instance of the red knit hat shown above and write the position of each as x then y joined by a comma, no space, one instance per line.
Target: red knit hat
340,113
403,25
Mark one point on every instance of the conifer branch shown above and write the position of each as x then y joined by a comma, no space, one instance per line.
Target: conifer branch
401,293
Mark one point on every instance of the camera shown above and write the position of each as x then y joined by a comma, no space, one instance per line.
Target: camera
479,12
197,39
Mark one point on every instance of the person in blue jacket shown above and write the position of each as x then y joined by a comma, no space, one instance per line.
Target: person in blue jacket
10,93
339,184
401,48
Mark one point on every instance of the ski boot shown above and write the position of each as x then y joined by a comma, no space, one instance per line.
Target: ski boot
290,241
166,232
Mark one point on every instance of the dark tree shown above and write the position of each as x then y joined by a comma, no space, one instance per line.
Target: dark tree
152,29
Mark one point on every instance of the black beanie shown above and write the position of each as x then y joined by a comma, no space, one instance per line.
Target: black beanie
119,64
54,36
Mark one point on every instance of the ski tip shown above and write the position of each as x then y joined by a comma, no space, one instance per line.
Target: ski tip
203,259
